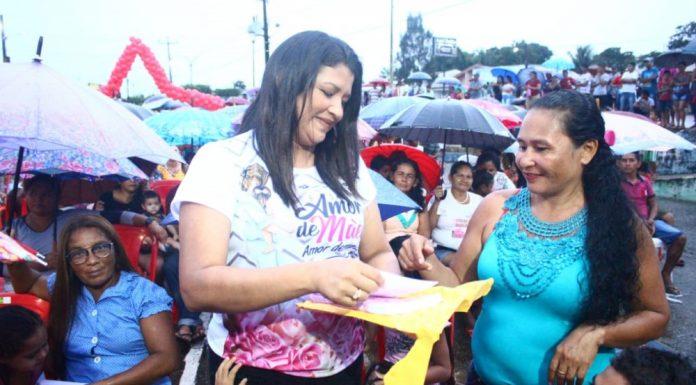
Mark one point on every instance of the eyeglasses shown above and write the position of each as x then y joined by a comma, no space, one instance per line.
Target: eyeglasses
401,174
100,250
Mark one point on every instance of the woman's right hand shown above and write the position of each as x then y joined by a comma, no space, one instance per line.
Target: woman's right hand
345,281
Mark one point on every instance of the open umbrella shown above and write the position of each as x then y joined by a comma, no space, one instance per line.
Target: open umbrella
427,165
449,122
365,132
444,83
390,200
559,64
505,116
68,163
672,57
42,110
379,112
419,76
378,82
505,73
633,134
189,125
141,112
236,101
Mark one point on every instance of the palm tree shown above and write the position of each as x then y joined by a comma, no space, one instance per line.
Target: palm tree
583,56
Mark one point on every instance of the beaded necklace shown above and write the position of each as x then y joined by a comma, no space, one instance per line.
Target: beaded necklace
531,252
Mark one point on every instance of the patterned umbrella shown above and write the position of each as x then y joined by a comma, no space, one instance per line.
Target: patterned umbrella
69,163
191,126
633,134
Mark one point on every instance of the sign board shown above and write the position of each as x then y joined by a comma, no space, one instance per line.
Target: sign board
444,46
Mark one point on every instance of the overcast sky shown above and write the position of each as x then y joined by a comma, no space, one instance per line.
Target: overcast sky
84,38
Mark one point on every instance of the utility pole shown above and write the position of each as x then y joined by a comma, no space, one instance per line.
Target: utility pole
5,58
168,43
266,44
391,41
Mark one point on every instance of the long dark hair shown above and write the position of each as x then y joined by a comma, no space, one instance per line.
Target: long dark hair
611,242
416,192
68,287
291,73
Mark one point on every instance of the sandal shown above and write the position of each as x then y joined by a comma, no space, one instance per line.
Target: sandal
198,334
184,333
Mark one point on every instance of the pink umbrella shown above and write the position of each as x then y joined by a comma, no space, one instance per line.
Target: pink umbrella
378,82
505,116
365,132
236,101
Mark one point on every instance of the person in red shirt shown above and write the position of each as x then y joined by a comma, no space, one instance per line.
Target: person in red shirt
664,97
533,88
641,193
567,83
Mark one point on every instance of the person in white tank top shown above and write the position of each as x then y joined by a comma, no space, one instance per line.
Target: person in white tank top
452,209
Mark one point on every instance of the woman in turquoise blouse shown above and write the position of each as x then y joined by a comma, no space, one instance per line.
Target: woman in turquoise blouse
575,271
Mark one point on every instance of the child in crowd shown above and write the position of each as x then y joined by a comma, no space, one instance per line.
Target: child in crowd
483,183
397,346
647,366
23,346
152,207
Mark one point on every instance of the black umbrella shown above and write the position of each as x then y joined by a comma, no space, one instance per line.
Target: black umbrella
449,122
672,58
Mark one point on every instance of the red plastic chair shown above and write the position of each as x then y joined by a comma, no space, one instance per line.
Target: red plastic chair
28,301
162,188
132,238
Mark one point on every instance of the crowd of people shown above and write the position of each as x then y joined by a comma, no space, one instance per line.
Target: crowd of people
558,227
664,95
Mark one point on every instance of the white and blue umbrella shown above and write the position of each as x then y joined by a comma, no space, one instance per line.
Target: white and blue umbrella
390,200
419,76
379,112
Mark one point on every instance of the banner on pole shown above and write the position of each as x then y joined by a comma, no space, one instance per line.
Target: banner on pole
445,47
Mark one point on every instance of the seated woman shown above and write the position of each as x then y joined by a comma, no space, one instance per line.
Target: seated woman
127,196
406,177
107,324
451,211
24,346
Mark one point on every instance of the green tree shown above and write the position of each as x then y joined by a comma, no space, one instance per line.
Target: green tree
227,92
135,99
200,87
652,55
415,48
240,85
685,33
583,56
520,52
614,58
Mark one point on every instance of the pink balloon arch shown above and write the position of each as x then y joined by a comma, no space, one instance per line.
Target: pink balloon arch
153,67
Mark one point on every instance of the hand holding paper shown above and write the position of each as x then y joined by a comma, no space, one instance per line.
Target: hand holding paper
13,251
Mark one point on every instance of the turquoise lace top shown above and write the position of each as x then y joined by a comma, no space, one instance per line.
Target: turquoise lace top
540,273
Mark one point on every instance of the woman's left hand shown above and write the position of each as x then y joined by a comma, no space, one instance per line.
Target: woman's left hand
574,355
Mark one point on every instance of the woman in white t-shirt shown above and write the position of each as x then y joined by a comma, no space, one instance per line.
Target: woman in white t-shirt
292,214
451,211
490,162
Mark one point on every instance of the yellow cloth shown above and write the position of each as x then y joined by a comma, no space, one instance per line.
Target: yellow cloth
425,324
166,175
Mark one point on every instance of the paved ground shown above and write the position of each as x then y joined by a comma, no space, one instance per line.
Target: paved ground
680,336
